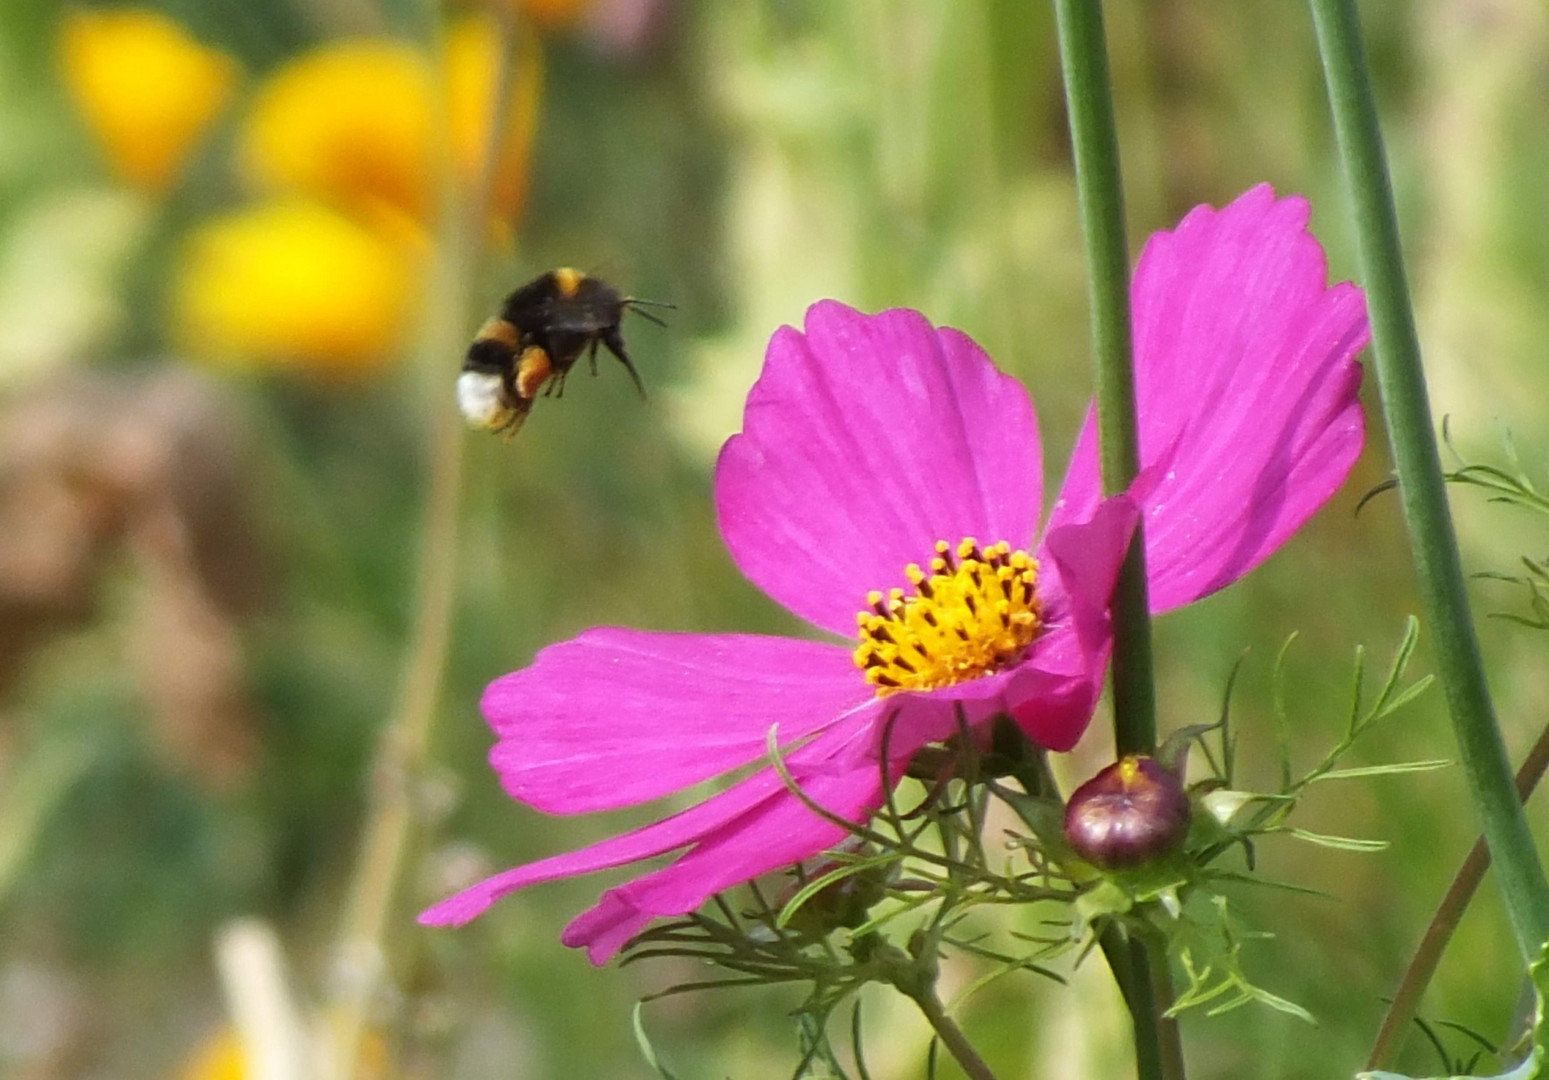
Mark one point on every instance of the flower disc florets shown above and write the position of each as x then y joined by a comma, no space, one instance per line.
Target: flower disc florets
970,616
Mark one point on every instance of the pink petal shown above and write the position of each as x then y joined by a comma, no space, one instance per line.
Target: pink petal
866,440
1246,373
604,929
617,717
757,825
776,833
1081,564
1053,694
836,754
1053,710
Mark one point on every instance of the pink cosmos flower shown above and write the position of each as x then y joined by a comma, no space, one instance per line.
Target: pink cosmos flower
886,487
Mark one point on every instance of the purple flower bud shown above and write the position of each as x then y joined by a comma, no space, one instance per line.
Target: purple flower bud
1132,812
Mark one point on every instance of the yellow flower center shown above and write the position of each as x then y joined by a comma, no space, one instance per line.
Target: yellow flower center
968,617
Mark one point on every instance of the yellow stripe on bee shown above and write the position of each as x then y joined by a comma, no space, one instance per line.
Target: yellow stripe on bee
568,280
498,329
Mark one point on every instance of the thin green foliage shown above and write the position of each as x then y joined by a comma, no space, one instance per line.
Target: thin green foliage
1272,809
1282,722
858,1044
878,908
1209,948
1456,1065
1362,772
903,887
1219,985
643,1041
1532,1053
1338,843
1512,486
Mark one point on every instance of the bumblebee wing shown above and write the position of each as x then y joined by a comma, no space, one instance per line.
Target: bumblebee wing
591,308
530,307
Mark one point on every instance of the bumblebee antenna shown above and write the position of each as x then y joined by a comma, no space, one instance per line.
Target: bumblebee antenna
639,305
646,315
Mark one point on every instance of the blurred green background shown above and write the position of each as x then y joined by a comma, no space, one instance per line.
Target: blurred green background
208,547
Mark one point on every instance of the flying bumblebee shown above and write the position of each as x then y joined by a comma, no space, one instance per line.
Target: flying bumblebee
541,331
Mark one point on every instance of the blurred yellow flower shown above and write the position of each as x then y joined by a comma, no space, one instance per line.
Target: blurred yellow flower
294,282
350,123
222,1057
355,123
147,90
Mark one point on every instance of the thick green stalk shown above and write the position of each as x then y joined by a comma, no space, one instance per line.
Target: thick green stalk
1089,100
1401,384
1095,142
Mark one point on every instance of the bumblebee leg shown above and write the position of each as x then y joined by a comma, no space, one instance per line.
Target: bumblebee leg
514,419
531,370
514,422
592,357
615,345
508,390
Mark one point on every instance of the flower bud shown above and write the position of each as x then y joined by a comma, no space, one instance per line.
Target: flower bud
1132,812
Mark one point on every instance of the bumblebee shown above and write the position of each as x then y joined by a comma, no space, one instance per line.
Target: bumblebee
541,331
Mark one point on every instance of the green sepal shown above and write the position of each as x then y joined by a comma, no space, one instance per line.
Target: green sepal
1536,1065
1120,891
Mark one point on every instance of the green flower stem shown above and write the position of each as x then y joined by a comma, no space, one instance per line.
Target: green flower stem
1401,384
1140,969
1162,998
1084,58
1422,966
1089,101
404,749
950,1034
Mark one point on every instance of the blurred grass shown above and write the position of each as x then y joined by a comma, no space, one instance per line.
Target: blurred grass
752,158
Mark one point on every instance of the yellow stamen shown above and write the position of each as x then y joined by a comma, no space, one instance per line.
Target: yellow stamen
968,616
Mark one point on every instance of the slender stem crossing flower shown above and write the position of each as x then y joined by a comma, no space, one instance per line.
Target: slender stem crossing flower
886,487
